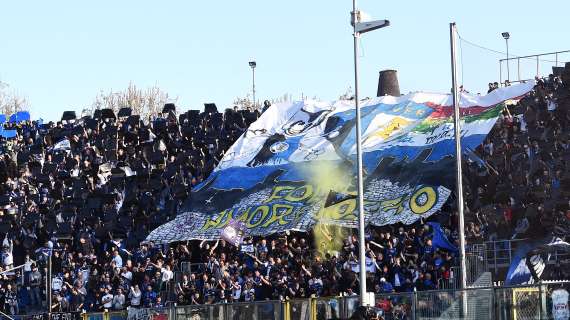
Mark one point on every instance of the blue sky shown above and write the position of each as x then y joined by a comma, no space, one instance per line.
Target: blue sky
60,54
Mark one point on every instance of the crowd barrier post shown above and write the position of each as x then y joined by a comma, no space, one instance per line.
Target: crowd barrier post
346,306
285,305
313,308
210,312
414,303
342,303
542,289
172,314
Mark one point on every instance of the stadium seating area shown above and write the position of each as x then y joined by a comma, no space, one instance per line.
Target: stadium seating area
89,190
523,179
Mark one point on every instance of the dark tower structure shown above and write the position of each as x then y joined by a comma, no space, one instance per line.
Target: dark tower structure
388,83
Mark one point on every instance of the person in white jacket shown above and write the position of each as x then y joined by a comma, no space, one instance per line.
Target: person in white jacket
135,296
166,276
7,257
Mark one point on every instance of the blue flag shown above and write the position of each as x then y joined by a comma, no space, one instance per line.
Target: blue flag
439,240
473,157
20,116
531,258
8,134
519,273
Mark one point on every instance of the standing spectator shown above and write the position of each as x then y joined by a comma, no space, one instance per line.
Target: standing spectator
135,294
166,276
11,300
117,259
34,289
7,257
119,300
149,297
107,299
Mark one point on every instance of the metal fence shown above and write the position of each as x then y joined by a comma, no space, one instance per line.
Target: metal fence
499,254
235,311
188,268
528,67
492,303
476,256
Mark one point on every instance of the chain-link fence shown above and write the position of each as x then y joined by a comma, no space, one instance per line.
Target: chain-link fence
254,311
195,312
234,311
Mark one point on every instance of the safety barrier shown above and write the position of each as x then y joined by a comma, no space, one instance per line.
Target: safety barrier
94,316
533,65
188,267
499,254
520,303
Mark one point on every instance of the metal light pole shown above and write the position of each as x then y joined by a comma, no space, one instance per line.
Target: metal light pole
506,35
359,28
458,171
253,64
458,176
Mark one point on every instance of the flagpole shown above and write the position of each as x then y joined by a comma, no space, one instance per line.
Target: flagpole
458,172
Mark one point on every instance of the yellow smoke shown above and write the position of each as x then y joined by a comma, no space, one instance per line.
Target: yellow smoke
327,176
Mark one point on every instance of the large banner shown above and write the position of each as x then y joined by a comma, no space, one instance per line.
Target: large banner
54,316
296,165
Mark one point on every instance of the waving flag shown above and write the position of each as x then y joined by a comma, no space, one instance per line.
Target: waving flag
20,116
439,239
530,260
296,165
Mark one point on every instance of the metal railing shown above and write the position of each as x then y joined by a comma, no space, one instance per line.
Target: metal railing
522,302
476,255
536,59
500,253
259,310
188,267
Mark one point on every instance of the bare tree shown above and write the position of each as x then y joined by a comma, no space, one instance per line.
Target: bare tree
284,98
11,102
245,102
347,95
144,102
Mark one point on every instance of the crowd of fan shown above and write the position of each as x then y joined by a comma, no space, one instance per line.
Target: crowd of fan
81,202
88,191
522,178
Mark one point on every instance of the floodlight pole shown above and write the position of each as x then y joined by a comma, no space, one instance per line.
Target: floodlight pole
359,28
508,71
506,36
458,171
253,64
253,73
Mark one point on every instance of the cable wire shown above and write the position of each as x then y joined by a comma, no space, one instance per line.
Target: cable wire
501,52
461,59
